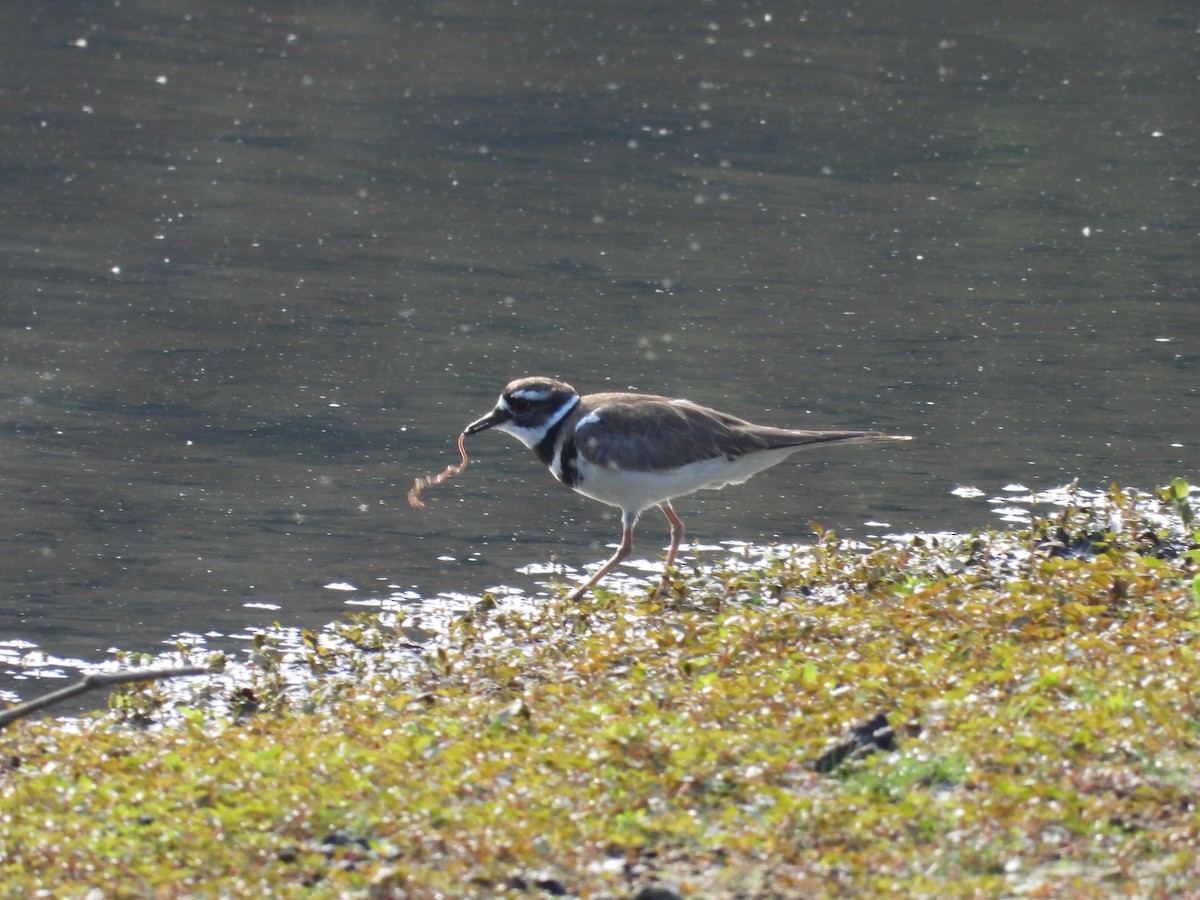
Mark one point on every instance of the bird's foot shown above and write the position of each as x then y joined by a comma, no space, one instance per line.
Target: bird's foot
663,590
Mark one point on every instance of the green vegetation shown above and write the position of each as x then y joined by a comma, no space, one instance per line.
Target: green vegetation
1041,684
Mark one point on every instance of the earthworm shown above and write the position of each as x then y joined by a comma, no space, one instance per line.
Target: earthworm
414,496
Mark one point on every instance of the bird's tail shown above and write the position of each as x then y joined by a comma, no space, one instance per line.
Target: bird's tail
801,439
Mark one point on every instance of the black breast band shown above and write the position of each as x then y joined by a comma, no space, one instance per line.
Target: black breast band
545,452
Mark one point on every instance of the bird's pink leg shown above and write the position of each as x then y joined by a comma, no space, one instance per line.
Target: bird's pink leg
676,538
622,552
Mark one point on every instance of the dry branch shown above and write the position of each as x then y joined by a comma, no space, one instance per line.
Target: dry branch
92,682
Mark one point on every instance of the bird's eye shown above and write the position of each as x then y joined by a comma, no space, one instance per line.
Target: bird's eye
519,404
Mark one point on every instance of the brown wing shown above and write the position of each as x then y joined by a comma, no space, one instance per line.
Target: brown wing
643,433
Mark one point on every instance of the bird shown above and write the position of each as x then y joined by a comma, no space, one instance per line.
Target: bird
634,451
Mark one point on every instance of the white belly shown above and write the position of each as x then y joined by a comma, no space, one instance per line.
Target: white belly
634,492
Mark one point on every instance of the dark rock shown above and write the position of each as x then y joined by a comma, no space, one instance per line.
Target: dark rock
540,881
342,839
863,740
658,890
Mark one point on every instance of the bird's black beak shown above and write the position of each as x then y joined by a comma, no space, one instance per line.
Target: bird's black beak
491,420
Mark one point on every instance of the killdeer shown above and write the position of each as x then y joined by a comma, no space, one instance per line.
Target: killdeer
634,451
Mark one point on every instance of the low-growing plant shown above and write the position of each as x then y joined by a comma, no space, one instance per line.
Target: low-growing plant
1037,685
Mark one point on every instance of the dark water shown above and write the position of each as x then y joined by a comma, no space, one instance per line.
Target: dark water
263,262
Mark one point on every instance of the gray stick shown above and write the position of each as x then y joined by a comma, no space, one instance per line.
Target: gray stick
93,681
